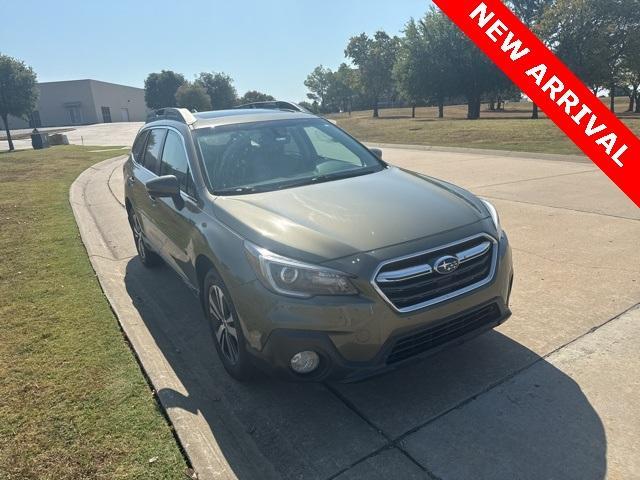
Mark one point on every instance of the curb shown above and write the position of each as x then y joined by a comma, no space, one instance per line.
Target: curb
192,432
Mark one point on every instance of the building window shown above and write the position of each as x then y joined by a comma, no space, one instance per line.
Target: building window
106,114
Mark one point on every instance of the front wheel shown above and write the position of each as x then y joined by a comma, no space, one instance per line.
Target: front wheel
147,257
225,328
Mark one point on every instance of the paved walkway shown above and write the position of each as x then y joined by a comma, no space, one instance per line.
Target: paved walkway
103,134
552,393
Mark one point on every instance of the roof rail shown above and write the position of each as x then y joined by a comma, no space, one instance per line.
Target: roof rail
274,105
181,115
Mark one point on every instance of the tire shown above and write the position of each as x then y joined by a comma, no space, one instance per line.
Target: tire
225,328
148,258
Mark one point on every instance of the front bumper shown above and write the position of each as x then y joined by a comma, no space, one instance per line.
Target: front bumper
355,337
283,344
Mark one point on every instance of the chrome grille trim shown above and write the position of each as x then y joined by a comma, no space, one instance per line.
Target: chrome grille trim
473,252
405,273
463,256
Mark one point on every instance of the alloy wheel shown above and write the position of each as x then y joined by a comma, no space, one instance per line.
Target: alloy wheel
137,237
225,332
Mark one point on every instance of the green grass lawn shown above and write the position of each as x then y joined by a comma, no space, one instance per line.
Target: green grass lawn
73,401
511,129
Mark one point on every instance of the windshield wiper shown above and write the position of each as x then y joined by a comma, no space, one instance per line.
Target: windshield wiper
295,183
237,190
338,175
260,188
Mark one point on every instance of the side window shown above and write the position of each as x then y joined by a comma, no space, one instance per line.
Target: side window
174,160
138,146
154,147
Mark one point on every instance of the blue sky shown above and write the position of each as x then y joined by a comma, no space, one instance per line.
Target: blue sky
264,45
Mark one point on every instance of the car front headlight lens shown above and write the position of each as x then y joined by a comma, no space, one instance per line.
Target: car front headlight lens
298,279
494,214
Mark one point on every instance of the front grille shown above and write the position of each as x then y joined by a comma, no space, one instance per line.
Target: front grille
413,282
432,337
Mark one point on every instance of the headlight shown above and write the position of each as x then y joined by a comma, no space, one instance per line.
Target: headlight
298,279
494,214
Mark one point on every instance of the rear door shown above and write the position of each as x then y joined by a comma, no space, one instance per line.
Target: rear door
135,186
143,171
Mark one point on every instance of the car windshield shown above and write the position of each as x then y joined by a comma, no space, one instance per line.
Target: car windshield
271,155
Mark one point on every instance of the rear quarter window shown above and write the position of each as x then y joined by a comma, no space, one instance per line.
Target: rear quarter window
138,146
153,150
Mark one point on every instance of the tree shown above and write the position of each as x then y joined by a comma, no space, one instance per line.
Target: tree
160,89
631,80
318,83
476,74
411,69
254,96
462,69
593,37
193,96
575,38
621,27
312,107
436,61
425,70
332,91
375,58
631,73
530,12
442,82
219,87
343,88
18,91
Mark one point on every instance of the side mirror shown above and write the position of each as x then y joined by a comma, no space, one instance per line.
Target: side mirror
165,186
377,152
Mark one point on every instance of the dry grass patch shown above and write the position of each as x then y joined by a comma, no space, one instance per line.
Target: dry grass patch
511,129
73,401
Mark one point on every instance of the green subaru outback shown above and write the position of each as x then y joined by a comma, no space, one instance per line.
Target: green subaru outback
313,259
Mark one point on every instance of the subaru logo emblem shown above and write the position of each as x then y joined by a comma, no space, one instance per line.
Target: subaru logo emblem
446,265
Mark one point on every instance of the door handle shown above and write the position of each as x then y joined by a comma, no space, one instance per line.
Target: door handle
131,180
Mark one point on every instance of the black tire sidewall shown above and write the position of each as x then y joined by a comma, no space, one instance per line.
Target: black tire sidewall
151,258
242,369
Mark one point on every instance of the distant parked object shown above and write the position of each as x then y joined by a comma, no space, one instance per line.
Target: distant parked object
82,102
39,140
275,105
58,139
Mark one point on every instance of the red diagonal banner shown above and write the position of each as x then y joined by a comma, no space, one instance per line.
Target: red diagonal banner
549,83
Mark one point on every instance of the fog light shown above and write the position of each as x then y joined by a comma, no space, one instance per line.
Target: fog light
305,362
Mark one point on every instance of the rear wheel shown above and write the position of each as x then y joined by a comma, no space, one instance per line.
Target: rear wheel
225,328
147,257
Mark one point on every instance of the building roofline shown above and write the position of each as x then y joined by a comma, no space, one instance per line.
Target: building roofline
89,80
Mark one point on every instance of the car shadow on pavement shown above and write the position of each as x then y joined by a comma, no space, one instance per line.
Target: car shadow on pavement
460,414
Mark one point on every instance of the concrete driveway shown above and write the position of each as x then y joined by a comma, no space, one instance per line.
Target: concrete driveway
552,393
104,134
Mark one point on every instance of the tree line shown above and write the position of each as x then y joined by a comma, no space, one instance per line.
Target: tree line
433,62
209,91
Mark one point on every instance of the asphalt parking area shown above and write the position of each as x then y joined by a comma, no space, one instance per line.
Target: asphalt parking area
550,393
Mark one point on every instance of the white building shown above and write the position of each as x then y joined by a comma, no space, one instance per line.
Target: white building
82,102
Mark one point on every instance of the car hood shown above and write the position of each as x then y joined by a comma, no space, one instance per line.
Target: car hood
334,219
